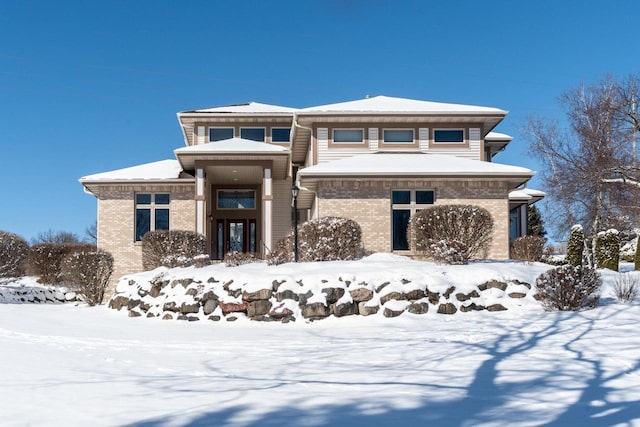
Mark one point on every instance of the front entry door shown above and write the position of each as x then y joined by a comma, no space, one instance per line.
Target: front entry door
235,235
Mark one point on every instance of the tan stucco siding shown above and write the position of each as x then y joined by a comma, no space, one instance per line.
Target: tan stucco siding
369,204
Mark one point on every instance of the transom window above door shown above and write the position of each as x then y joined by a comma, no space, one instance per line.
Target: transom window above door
219,134
236,199
253,134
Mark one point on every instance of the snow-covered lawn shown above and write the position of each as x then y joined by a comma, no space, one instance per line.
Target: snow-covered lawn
67,364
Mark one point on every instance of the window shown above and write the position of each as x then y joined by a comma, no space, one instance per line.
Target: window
405,203
280,134
253,134
398,136
152,213
348,136
236,199
219,134
448,136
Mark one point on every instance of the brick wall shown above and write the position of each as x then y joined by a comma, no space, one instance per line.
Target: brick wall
368,202
116,222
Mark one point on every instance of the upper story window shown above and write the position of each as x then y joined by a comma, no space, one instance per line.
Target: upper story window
280,134
219,134
152,213
398,136
254,134
348,136
448,136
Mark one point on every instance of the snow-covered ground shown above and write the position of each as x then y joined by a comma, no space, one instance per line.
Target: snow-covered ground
68,364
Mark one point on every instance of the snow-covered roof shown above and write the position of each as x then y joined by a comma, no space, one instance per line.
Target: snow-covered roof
247,108
527,194
161,170
393,164
233,145
497,136
387,105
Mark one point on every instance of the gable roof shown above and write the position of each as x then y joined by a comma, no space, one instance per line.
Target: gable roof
390,105
161,170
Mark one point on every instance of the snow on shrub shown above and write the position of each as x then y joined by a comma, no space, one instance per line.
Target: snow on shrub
13,255
449,252
467,224
45,259
528,248
575,245
234,259
569,288
89,273
322,239
607,249
171,248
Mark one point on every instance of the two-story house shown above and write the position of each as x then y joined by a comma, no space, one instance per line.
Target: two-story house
375,160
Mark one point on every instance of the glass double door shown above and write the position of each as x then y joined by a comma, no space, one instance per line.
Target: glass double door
235,235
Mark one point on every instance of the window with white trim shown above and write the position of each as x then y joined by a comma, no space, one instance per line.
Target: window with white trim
280,134
397,136
405,203
348,136
152,213
219,134
448,136
253,134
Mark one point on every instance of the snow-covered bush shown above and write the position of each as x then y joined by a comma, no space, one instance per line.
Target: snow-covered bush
607,249
449,252
636,258
569,288
13,254
575,245
468,224
89,273
322,239
626,287
528,248
171,248
234,259
45,259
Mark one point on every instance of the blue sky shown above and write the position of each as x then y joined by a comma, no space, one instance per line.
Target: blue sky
87,87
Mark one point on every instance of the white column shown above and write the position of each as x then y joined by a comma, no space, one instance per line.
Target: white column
267,211
200,206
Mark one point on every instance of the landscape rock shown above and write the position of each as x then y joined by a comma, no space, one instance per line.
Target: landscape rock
399,296
361,294
187,308
343,309
516,295
262,294
286,294
365,310
418,308
447,308
493,284
170,306
414,294
471,307
389,312
232,307
209,306
465,297
496,307
118,302
258,308
333,294
434,297
315,311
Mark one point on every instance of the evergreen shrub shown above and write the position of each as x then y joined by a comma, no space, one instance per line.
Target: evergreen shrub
569,288
575,245
607,249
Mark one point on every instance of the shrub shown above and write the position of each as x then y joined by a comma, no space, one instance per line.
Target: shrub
607,249
89,273
575,245
171,248
528,248
467,224
626,287
13,255
636,258
569,288
45,259
322,239
282,251
449,252
234,259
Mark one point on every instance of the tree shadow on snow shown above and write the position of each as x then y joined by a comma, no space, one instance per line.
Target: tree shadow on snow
487,399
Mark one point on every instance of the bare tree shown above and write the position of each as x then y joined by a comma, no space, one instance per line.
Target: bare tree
590,166
51,236
91,233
